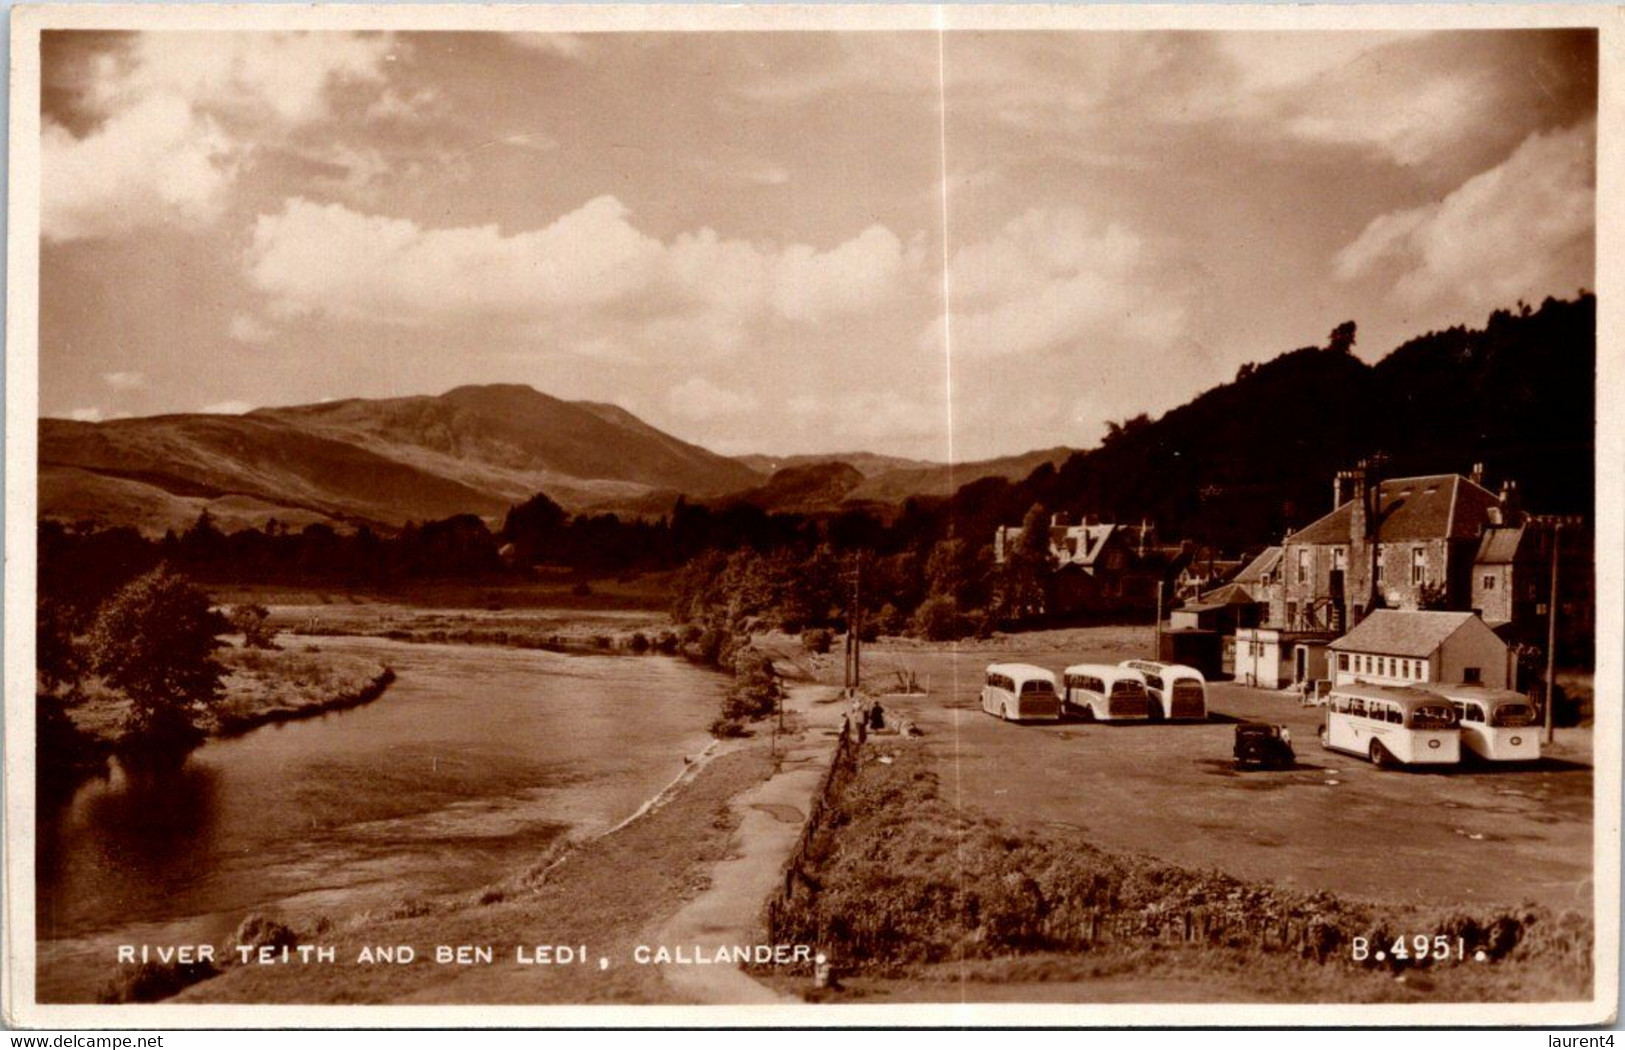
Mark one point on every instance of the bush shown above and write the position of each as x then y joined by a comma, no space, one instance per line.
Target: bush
938,620
639,643
253,621
755,691
817,639
889,621
666,643
725,728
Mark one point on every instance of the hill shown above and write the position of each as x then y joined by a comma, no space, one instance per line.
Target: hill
475,449
1249,459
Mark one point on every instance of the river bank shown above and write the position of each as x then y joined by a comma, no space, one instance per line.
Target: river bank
259,687
689,871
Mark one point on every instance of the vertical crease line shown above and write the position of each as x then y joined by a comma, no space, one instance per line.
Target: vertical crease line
948,383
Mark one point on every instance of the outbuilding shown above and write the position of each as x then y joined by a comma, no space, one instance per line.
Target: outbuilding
1408,647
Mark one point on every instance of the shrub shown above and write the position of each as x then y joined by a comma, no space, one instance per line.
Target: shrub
253,621
666,643
755,691
938,620
817,639
889,621
639,643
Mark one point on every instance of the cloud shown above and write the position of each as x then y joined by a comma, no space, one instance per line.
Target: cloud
1520,229
246,328
870,417
226,408
1403,97
157,161
589,279
178,115
125,380
1052,278
699,399
86,415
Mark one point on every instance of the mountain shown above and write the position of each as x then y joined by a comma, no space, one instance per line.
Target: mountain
940,479
1247,460
869,464
804,489
475,449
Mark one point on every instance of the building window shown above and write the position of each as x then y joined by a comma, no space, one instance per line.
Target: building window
1421,671
1303,564
1291,614
1489,583
1340,558
1342,661
1419,566
1472,675
1379,564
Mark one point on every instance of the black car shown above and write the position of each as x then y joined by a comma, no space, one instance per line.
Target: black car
1260,745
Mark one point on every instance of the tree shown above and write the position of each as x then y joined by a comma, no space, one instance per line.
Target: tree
251,620
155,640
1341,341
1026,568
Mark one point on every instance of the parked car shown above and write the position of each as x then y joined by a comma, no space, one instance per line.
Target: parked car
1260,745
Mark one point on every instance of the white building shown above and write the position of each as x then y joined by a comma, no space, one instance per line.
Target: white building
1401,647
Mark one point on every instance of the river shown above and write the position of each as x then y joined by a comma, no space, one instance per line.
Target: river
463,773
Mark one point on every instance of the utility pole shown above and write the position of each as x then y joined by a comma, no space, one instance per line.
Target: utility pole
1157,651
1551,635
854,623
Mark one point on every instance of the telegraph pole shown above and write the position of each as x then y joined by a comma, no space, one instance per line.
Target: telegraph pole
1156,653
854,624
1551,635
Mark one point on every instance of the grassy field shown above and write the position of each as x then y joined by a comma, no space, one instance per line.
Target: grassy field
920,899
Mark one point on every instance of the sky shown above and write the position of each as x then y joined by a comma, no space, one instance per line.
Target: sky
968,245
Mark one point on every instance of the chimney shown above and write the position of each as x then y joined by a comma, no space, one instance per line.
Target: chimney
1477,475
1511,502
1342,486
1358,523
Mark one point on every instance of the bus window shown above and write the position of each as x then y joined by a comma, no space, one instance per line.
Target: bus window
1154,681
1037,685
1396,716
1513,715
1357,706
1470,712
1431,717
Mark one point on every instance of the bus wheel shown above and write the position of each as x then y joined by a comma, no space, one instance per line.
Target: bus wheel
1087,714
1325,738
1379,755
1004,712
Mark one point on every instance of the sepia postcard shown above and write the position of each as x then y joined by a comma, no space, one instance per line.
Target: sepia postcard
840,515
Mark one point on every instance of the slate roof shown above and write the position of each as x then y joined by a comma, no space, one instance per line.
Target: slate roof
1395,632
1218,597
1499,546
1436,506
1255,570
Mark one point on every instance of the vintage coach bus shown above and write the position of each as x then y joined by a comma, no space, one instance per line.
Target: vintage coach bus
1175,691
1497,725
1020,693
1391,725
1105,693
